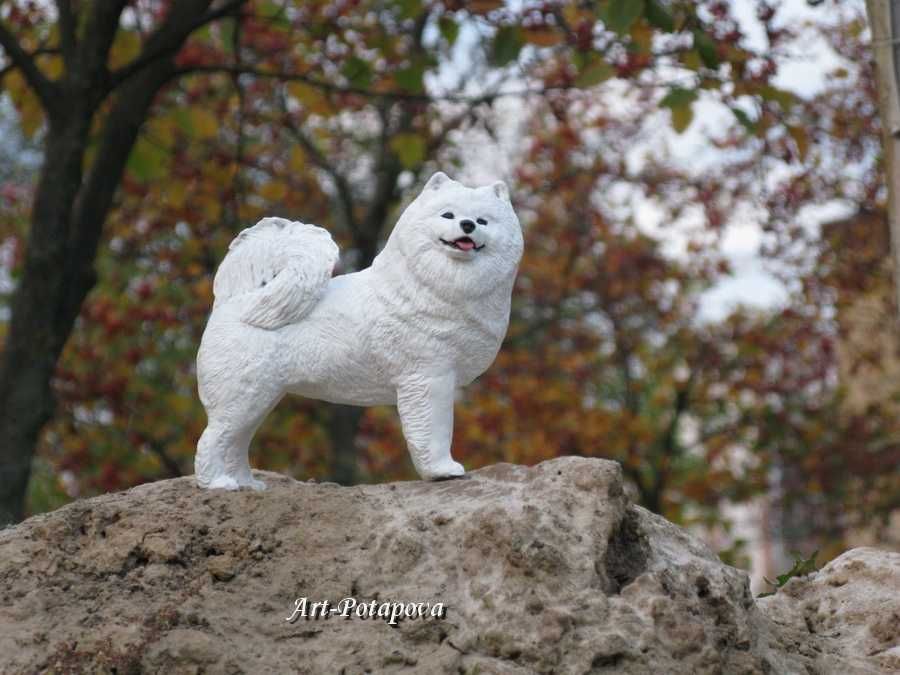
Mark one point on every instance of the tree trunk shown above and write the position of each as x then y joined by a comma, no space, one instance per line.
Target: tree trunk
67,222
343,426
40,320
884,20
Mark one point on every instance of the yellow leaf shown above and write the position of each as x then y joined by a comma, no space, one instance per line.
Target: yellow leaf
410,149
203,288
163,130
310,98
212,208
179,405
297,160
125,48
682,116
204,123
542,37
273,191
801,138
249,212
176,193
691,59
31,115
52,66
642,36
574,13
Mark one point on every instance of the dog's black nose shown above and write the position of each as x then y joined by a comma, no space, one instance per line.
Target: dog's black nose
467,226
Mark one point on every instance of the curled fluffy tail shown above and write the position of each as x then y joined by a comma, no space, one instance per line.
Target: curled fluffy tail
279,270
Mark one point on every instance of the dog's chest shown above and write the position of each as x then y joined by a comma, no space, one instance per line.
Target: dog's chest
430,332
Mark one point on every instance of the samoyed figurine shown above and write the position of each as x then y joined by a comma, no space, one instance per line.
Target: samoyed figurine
427,317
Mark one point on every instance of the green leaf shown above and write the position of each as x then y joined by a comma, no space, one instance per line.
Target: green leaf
594,72
411,78
506,46
182,118
410,149
744,119
802,567
659,17
408,8
680,102
147,161
357,72
226,29
691,59
449,29
623,13
706,48
274,14
784,98
678,97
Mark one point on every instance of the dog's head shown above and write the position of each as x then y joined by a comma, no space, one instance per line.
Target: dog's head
472,234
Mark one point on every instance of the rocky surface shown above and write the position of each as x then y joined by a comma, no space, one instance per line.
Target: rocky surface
853,603
546,569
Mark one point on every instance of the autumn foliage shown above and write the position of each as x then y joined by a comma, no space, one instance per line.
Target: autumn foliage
333,112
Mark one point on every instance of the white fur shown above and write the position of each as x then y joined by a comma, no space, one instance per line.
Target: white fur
424,319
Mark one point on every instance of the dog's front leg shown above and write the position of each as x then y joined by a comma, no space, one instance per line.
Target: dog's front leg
425,404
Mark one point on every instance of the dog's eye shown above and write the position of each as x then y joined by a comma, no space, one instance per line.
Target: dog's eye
481,221
446,214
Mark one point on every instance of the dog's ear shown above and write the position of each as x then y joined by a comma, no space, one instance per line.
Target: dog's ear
437,181
500,190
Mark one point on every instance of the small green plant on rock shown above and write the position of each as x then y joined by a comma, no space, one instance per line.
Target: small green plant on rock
802,567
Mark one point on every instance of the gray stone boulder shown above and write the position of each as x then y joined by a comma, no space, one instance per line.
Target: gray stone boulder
548,569
852,606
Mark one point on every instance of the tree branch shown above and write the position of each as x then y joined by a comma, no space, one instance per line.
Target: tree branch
101,27
120,131
387,172
669,445
240,144
68,38
324,85
46,90
341,184
387,166
172,467
158,49
37,52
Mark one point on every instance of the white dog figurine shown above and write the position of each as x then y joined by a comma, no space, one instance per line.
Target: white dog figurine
427,317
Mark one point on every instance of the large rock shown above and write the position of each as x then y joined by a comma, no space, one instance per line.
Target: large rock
546,569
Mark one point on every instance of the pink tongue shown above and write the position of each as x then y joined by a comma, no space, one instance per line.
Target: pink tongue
465,244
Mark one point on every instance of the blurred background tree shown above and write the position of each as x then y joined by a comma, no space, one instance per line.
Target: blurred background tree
333,113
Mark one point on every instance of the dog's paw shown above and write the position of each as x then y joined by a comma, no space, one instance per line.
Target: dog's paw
223,483
444,470
230,483
254,484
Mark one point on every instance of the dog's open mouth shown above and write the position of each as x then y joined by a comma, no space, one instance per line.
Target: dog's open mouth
462,244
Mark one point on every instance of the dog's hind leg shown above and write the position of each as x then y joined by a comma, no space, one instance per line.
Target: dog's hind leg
425,404
222,453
